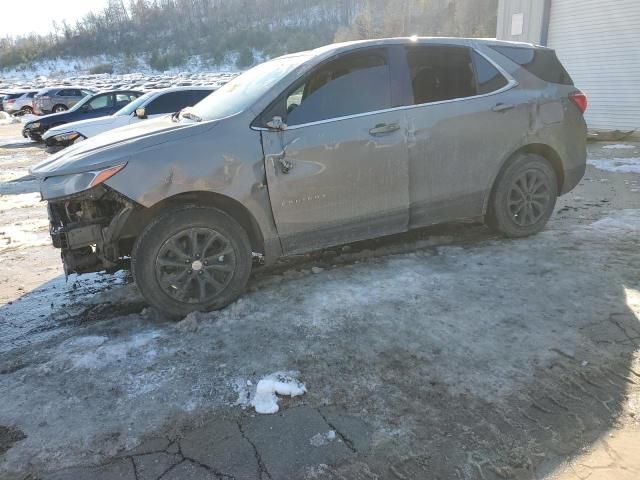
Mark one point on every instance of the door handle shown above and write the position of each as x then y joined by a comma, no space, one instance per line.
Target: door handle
384,129
503,107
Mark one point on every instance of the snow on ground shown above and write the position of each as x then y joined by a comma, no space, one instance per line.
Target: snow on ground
6,119
278,383
507,304
619,146
617,165
322,439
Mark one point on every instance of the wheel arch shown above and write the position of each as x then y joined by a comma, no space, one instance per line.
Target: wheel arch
140,218
544,150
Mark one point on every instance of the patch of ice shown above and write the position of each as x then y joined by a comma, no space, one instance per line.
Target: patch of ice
617,165
105,354
619,146
322,439
281,383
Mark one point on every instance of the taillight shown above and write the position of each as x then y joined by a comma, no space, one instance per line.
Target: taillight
580,99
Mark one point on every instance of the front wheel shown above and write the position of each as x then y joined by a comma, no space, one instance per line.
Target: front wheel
523,197
59,108
192,259
27,110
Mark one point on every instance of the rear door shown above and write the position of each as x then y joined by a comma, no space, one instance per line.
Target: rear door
338,172
465,118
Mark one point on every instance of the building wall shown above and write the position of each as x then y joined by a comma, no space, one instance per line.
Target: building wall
532,12
598,41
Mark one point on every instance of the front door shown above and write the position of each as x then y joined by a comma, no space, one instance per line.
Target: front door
338,172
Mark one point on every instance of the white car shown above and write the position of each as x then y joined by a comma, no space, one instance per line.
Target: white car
150,105
19,101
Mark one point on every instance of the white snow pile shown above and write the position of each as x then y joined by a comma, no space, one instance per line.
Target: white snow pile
6,119
617,165
619,146
281,383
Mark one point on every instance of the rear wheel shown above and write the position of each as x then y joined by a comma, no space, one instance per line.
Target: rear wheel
27,110
60,108
524,197
192,259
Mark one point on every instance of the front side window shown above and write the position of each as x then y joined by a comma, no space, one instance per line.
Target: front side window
440,73
123,99
103,101
352,84
169,103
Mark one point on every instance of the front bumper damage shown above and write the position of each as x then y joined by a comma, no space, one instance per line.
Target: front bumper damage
86,226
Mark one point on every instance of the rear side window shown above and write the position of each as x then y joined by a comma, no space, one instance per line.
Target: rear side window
31,94
169,103
488,77
541,62
440,73
349,85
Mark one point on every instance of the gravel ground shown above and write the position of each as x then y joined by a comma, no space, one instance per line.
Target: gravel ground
445,353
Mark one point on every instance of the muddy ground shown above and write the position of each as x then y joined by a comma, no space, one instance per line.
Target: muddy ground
447,353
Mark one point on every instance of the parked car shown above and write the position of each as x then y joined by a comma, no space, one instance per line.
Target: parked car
320,148
92,106
150,105
18,101
58,99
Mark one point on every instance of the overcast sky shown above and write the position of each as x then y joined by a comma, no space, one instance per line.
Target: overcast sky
20,17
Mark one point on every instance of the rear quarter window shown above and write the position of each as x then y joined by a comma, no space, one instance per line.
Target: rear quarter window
541,62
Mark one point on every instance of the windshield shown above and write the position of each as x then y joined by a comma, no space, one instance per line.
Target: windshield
131,107
244,90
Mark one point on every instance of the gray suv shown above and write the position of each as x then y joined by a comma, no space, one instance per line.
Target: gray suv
58,99
335,145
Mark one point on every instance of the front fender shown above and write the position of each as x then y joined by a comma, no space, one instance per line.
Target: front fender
227,161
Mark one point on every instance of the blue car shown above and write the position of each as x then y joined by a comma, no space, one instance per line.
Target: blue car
91,106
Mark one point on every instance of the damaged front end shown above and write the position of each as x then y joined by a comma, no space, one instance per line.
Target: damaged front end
86,226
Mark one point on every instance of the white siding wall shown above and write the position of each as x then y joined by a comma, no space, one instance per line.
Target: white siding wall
598,41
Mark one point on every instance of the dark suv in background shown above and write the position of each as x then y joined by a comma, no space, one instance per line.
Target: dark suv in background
92,106
58,99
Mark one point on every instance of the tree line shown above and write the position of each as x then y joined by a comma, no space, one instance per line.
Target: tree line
164,33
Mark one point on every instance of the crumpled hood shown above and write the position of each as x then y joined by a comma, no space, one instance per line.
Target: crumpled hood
117,146
79,125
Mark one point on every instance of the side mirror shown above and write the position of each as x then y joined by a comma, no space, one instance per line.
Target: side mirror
85,108
277,124
141,113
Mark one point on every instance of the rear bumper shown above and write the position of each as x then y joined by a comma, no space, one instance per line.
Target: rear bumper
572,178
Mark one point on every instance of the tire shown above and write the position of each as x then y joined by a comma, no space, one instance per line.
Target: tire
170,272
59,108
523,197
27,110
